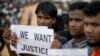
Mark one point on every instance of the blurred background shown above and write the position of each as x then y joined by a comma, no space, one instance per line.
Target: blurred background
19,11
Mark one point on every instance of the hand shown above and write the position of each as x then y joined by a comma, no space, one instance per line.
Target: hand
14,40
56,44
6,35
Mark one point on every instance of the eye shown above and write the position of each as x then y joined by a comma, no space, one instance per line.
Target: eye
95,24
75,19
39,17
70,19
85,24
78,19
47,17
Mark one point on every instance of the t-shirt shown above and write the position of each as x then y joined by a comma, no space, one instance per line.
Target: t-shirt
96,52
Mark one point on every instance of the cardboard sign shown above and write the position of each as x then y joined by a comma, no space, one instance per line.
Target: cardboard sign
13,28
33,40
68,52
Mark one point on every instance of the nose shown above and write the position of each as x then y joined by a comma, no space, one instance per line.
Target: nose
72,23
42,20
88,29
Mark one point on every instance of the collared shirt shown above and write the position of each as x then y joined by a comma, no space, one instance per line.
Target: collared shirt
82,44
70,44
62,39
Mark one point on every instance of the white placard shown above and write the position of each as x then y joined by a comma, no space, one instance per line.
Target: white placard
33,40
68,52
13,28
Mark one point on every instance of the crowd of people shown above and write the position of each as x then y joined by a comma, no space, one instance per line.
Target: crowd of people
80,28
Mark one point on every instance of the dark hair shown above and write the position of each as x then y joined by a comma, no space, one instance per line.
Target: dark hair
59,24
78,5
65,18
47,8
92,9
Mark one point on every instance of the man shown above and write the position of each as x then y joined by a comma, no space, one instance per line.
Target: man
46,13
92,26
76,26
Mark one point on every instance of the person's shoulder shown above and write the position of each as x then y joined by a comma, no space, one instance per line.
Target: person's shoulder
65,34
62,39
67,44
64,46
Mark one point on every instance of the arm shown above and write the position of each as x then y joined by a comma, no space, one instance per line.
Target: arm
6,37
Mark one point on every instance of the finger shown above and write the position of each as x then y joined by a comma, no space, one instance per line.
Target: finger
6,35
7,32
14,44
14,35
13,39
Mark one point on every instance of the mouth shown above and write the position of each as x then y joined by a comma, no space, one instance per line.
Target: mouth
72,30
89,37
